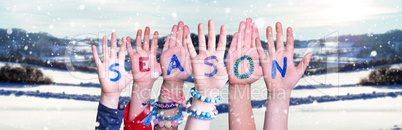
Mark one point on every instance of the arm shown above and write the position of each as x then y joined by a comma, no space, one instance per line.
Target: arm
113,79
176,68
240,114
243,69
210,75
145,71
280,75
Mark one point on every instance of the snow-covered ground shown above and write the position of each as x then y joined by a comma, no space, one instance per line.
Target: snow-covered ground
40,113
382,113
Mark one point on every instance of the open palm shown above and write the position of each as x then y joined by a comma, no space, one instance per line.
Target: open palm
143,61
210,73
286,75
243,46
112,75
174,48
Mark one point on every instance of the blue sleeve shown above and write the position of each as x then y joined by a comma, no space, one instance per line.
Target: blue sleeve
109,119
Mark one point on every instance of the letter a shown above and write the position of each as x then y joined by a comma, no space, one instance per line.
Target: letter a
174,66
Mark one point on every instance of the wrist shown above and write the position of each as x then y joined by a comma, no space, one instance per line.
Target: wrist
240,92
239,85
110,100
203,106
279,94
173,83
173,87
207,91
147,85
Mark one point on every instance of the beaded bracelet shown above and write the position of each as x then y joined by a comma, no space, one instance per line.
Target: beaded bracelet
171,121
148,102
161,105
162,117
155,116
203,98
200,114
165,105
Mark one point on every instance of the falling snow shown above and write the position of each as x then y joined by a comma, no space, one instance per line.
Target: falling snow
82,7
9,31
373,53
227,10
174,15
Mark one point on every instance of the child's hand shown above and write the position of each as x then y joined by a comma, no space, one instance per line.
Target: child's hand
210,69
286,75
175,60
143,62
242,60
112,75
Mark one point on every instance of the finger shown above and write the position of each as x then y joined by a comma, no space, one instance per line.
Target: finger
146,39
260,50
113,46
241,40
173,39
248,32
122,49
186,31
190,47
129,48
201,38
95,55
233,44
154,44
105,50
138,46
166,45
211,35
289,40
279,37
129,77
222,39
301,67
254,35
270,42
179,36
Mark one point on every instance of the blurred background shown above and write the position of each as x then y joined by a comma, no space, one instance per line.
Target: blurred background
48,78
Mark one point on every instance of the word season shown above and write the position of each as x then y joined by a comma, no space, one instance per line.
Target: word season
174,66
142,64
250,70
275,66
210,64
118,73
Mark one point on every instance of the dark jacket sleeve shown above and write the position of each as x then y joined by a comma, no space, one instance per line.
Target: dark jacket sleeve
109,119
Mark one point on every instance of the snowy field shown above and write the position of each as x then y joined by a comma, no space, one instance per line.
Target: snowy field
40,113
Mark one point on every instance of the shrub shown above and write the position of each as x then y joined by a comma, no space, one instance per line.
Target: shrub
52,64
383,76
24,74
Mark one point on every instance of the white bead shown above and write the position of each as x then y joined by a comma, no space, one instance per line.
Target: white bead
202,98
212,100
198,112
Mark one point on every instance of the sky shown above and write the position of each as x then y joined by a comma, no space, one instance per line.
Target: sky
310,19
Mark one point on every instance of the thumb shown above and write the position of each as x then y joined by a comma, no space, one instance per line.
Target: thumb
301,67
